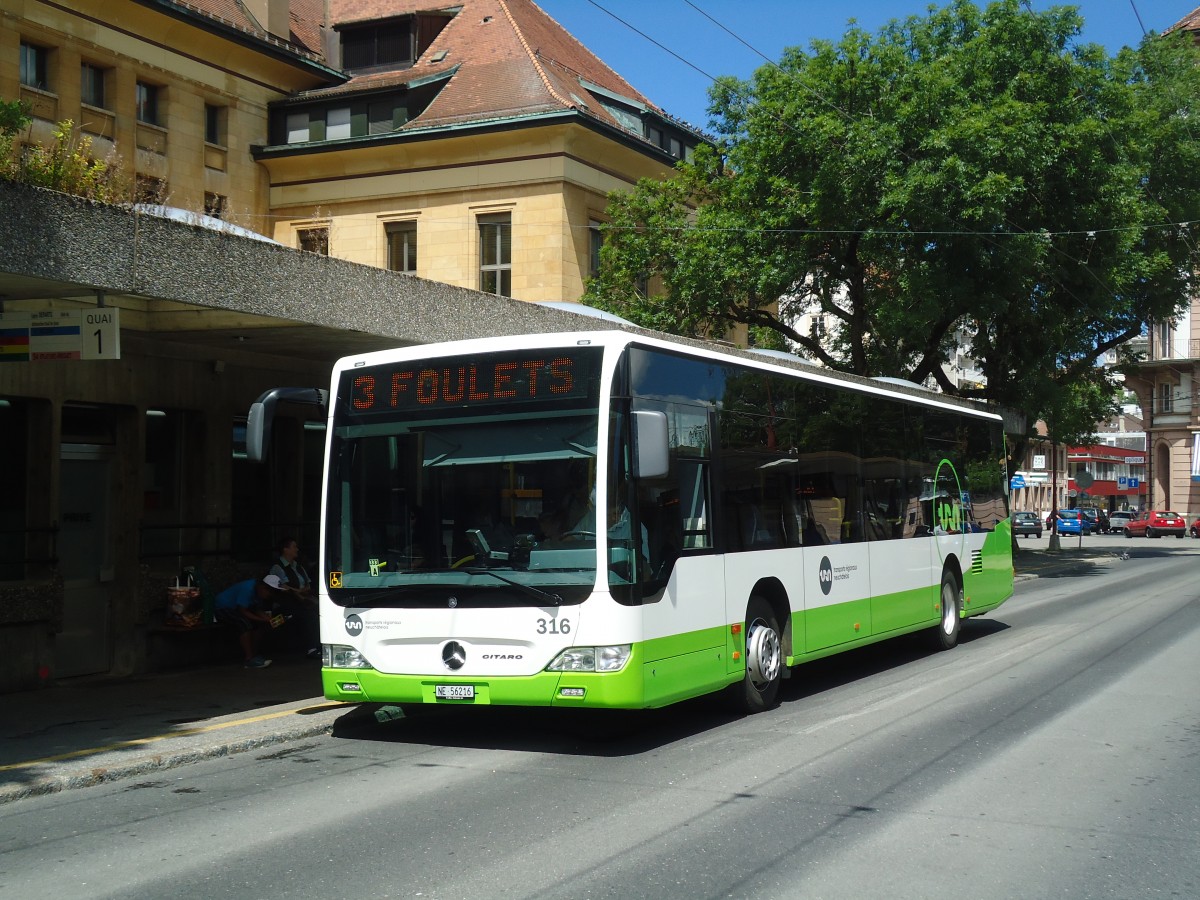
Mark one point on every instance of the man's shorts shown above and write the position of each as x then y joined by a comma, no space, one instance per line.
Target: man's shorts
235,618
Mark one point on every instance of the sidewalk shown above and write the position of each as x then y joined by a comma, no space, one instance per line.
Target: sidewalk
81,732
86,731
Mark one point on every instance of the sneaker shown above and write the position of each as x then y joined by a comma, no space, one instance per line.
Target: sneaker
257,662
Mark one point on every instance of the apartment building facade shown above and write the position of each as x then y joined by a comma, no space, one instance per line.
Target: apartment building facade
1166,386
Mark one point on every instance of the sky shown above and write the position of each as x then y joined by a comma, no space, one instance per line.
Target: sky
770,25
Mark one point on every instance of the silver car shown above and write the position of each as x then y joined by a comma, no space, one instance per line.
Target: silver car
1118,520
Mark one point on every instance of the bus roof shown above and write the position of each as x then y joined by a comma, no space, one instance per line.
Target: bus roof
621,337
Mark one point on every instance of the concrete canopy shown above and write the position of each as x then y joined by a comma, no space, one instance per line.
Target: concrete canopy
207,293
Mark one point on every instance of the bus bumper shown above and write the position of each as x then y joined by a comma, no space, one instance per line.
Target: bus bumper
607,690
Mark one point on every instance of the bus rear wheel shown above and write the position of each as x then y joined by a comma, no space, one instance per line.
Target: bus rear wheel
759,689
944,635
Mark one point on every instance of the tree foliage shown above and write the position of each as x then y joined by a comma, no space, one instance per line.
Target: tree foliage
973,172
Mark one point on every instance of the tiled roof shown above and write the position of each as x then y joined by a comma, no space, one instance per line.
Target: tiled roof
1190,22
511,60
508,57
306,19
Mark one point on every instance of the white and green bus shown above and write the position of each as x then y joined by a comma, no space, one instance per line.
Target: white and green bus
602,519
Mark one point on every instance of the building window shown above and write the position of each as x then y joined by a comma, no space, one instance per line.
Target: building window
1162,334
150,190
34,66
1166,398
671,142
402,246
147,103
214,204
389,44
214,124
314,240
337,124
91,85
816,328
385,116
495,254
297,127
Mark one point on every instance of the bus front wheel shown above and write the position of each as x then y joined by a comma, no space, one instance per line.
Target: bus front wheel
945,634
764,658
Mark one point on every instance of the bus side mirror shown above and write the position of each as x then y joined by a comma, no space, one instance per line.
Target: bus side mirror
262,414
651,446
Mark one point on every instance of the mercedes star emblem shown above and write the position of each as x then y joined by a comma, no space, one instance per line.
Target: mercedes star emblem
453,655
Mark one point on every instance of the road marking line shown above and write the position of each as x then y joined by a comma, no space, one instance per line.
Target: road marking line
186,732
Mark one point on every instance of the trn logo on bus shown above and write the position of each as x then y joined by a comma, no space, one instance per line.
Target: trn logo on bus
825,575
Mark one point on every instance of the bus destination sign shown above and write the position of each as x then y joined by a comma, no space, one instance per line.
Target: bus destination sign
487,380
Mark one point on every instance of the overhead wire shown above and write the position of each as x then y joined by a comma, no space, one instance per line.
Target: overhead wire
988,236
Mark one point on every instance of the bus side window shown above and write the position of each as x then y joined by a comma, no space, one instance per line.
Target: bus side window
693,504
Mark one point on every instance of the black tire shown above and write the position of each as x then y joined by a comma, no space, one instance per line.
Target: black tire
1039,534
759,687
1180,535
944,635
1128,533
1150,532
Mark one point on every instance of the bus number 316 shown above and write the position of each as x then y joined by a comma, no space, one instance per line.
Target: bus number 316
553,626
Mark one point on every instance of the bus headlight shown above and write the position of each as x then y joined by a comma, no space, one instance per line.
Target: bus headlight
612,659
592,659
337,656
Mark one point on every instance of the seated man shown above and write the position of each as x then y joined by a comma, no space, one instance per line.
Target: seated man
242,606
290,573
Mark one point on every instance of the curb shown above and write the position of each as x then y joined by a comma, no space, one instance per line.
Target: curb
113,764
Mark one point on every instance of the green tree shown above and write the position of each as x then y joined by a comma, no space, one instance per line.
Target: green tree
971,173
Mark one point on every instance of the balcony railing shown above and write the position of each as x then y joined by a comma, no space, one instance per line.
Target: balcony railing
1177,349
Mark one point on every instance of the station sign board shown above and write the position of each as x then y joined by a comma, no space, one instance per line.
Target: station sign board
57,334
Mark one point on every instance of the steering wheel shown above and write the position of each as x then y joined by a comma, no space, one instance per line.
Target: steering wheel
582,535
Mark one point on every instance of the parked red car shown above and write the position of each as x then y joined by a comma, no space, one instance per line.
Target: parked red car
1195,529
1156,523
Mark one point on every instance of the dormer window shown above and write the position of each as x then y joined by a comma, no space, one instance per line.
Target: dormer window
379,45
661,136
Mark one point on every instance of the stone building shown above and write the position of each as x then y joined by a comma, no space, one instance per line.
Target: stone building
465,148
1166,383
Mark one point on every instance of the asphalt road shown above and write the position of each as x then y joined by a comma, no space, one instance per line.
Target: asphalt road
1055,752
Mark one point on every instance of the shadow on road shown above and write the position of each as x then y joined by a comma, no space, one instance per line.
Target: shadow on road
615,733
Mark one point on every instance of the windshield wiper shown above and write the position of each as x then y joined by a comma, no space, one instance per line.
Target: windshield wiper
527,588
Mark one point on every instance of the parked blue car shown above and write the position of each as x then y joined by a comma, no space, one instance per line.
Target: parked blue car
1071,521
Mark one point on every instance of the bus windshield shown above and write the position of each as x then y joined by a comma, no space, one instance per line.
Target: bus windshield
490,501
